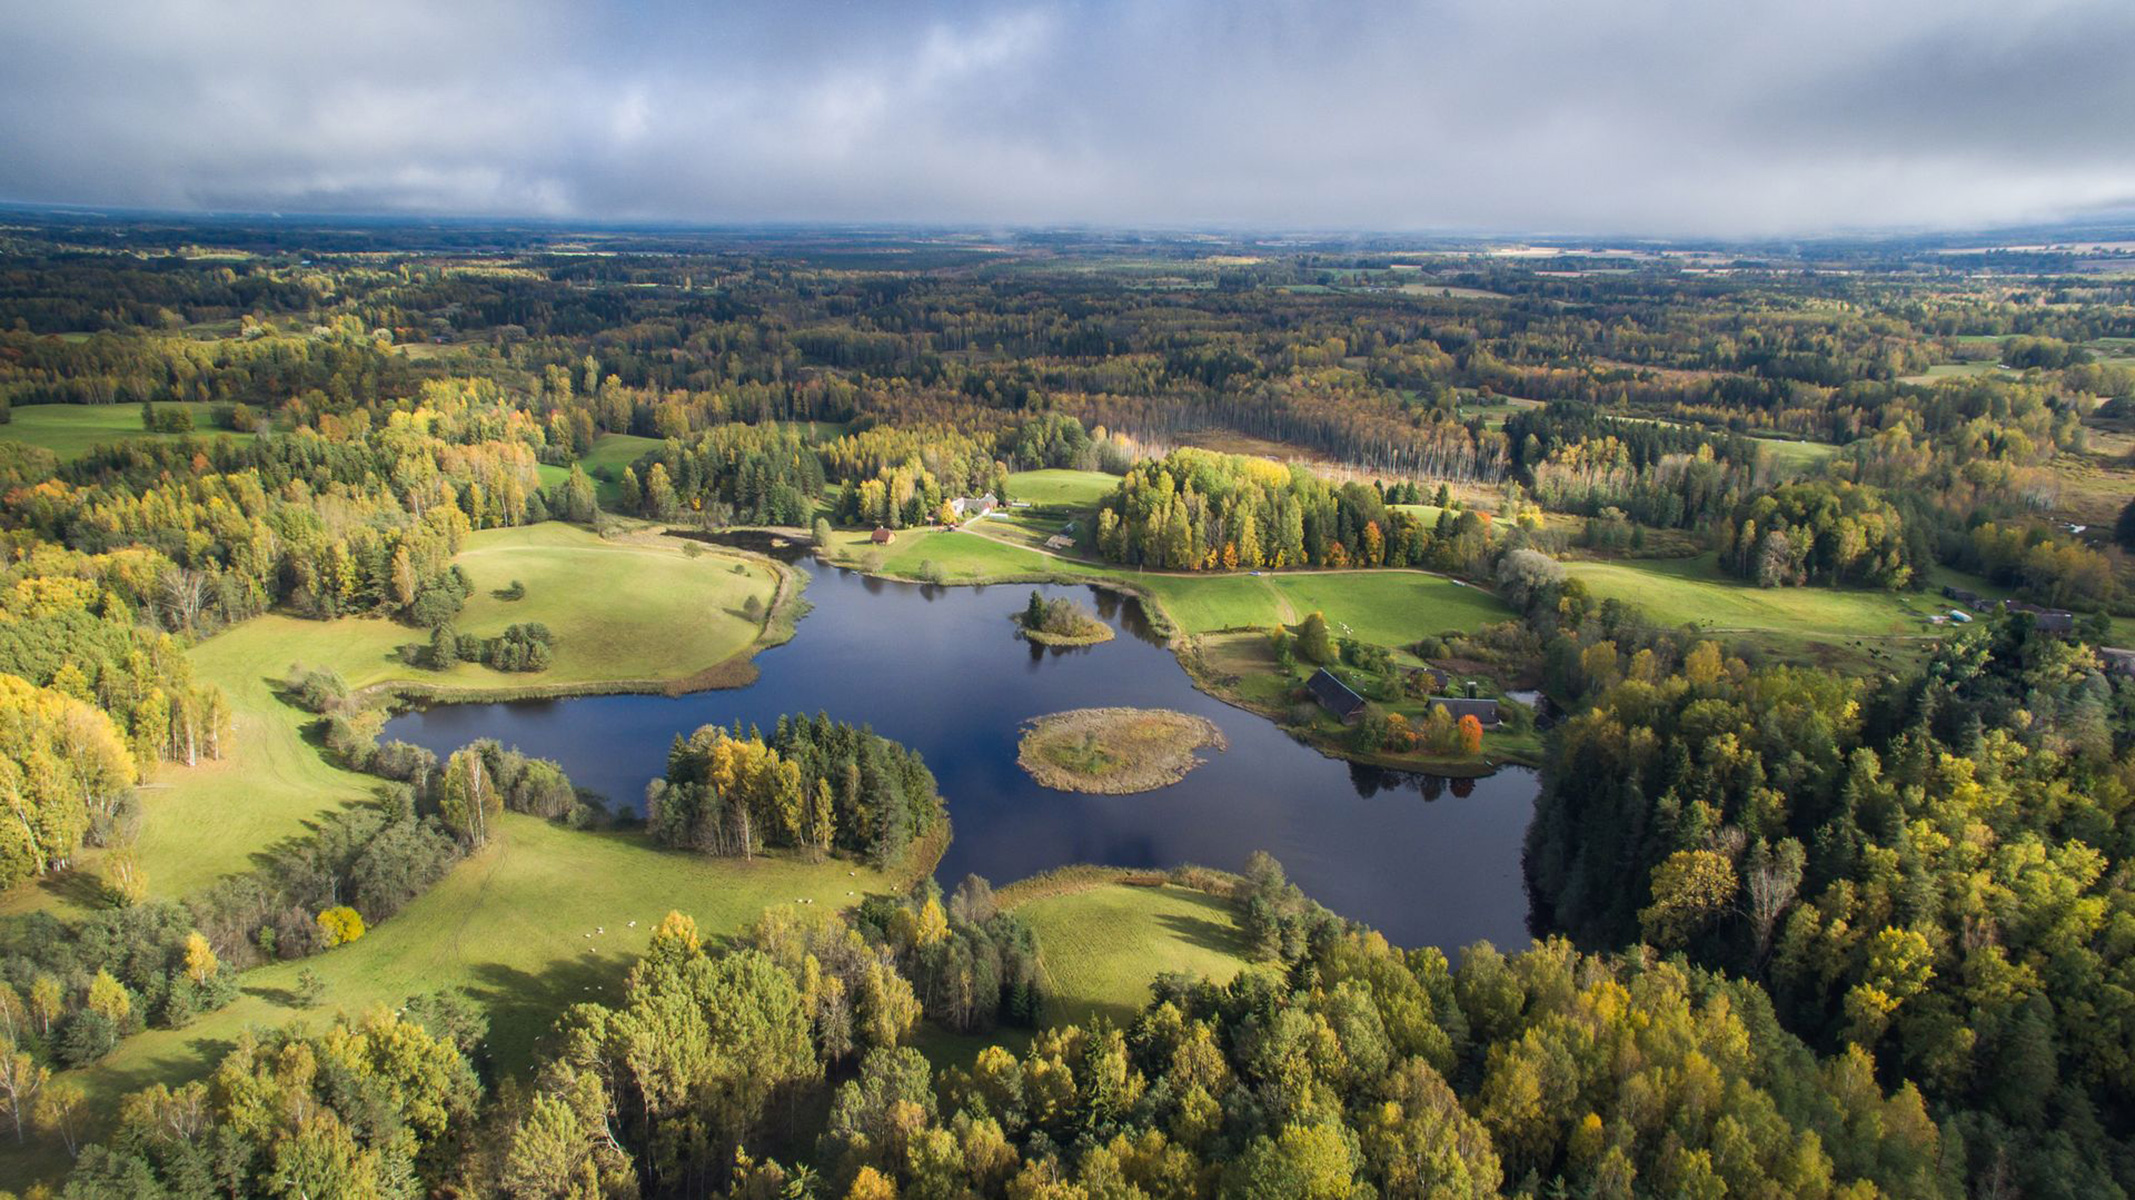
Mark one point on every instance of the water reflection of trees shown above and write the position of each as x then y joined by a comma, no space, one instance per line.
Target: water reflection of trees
1370,781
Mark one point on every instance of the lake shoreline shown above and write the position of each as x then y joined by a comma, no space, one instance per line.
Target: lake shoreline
1182,647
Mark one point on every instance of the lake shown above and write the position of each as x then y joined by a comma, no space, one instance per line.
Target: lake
1426,860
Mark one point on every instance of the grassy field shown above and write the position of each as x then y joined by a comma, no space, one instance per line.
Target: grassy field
1807,623
1104,945
1796,457
510,926
1069,489
72,430
1393,608
605,462
679,617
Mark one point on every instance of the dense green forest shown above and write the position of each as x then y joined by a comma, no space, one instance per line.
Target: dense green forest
1814,919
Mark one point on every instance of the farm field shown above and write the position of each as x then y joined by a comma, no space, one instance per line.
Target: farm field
1796,457
605,462
1391,608
72,430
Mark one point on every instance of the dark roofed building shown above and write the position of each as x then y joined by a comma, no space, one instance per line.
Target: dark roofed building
2048,620
1436,678
1963,596
1457,707
1336,696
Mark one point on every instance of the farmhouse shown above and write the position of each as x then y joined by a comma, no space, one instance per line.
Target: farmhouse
881,536
2048,620
2117,661
1336,697
966,507
1457,707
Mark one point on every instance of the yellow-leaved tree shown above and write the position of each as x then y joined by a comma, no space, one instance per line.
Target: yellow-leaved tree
63,766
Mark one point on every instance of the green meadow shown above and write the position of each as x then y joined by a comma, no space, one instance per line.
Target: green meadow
72,430
1104,944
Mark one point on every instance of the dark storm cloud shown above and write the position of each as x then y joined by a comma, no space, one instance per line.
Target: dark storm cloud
1684,116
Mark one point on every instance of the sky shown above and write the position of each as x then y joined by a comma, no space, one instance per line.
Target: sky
1650,117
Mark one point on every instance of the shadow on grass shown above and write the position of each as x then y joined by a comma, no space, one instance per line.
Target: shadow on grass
1218,931
523,1005
279,997
76,888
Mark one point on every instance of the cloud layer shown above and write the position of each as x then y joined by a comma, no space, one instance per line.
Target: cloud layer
1634,116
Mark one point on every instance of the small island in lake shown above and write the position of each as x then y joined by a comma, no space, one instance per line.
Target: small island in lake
1061,622
1115,751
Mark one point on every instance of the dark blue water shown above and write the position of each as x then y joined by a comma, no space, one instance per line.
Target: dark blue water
1428,861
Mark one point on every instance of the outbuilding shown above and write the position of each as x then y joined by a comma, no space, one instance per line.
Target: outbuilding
1336,697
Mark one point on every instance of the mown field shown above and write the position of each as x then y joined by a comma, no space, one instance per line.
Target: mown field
72,430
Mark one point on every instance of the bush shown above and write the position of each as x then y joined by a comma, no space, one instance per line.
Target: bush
517,591
319,691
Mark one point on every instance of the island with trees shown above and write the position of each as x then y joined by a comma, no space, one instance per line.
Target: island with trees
1061,622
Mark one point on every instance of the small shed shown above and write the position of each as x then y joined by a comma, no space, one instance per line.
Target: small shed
1060,541
1336,697
882,536
1431,677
